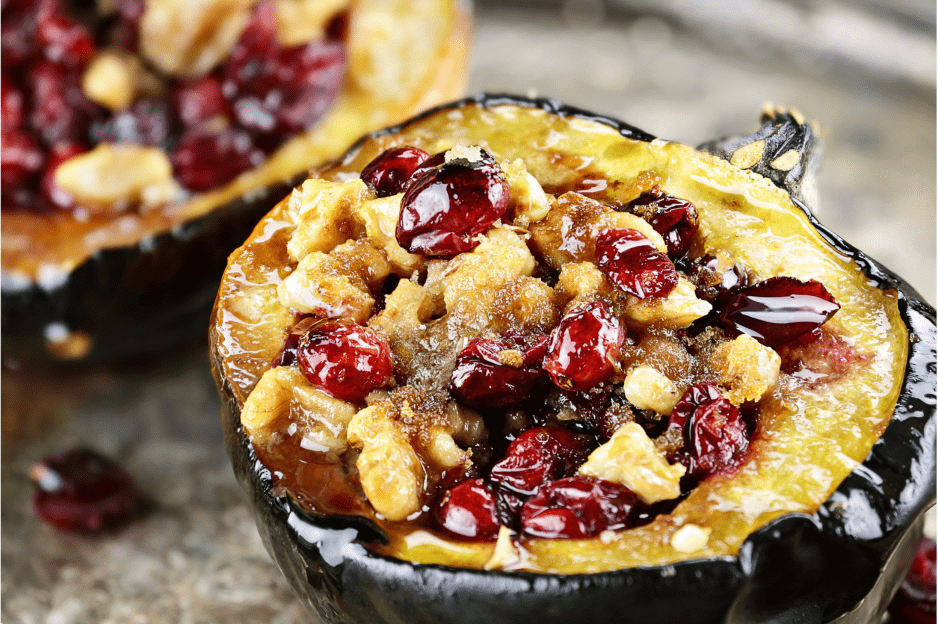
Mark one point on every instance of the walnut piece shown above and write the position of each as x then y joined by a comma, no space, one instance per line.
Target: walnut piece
336,284
188,38
323,214
284,396
475,277
528,202
114,176
379,218
676,311
111,79
646,388
745,368
631,459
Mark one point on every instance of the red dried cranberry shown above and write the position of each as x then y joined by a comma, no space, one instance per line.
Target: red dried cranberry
915,601
674,218
204,159
539,456
578,507
11,99
200,101
392,168
281,90
21,158
468,510
344,360
480,379
52,191
148,122
444,210
434,162
779,309
714,430
60,110
64,41
18,42
634,264
582,348
79,490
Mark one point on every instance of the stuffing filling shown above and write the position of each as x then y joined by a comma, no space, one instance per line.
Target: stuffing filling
486,359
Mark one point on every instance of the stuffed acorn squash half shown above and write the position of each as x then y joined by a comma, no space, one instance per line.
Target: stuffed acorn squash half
511,359
143,140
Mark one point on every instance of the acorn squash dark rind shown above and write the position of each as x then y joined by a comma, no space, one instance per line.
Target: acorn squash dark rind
136,299
841,564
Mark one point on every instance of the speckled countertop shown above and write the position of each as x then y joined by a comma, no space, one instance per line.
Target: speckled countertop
197,558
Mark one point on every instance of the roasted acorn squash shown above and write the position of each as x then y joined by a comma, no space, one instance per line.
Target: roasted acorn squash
111,282
819,523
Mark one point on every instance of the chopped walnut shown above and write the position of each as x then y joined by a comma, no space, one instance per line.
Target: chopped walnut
110,80
113,176
646,388
405,440
528,203
284,395
468,426
568,232
188,39
302,21
379,219
405,309
690,538
745,368
391,474
475,277
580,283
676,311
631,459
336,284
323,214
525,304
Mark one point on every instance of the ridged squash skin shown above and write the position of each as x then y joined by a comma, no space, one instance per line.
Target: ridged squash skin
841,563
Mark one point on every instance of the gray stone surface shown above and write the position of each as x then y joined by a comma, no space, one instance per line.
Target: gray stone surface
197,558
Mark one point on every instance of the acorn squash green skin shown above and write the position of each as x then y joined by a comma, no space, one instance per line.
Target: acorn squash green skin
137,299
841,564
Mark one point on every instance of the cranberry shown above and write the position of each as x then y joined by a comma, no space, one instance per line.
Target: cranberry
18,42
64,41
434,162
444,210
483,381
391,169
281,90
204,159
714,430
539,456
344,360
674,218
52,191
200,101
578,507
779,309
12,102
60,111
634,264
21,158
148,122
79,490
582,348
468,510
915,601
